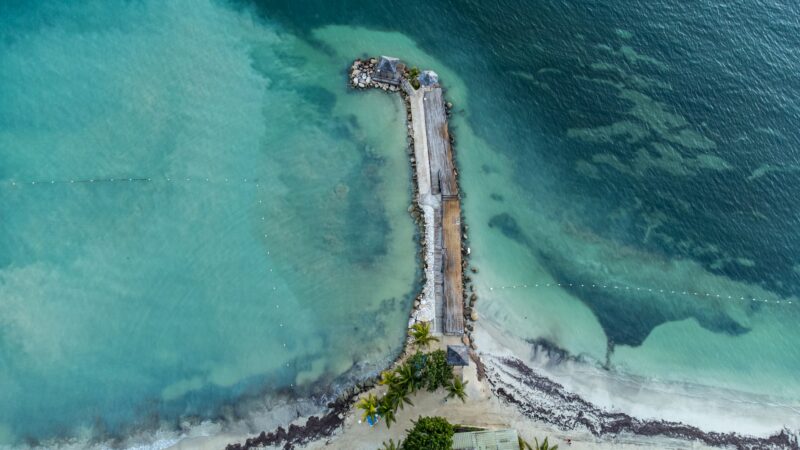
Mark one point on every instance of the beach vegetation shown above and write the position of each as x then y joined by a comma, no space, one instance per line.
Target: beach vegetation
429,433
388,378
543,446
431,369
413,73
391,445
421,332
421,370
437,372
387,411
456,388
369,406
408,378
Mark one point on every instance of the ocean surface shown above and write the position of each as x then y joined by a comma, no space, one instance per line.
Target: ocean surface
197,214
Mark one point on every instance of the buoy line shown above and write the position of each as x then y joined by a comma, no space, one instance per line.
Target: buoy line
168,179
619,286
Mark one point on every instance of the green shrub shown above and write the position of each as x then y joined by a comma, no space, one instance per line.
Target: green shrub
430,369
437,372
429,433
413,73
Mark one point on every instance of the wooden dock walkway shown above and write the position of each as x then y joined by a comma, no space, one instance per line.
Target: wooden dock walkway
444,185
443,175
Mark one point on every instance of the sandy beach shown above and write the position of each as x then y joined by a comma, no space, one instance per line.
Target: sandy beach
482,409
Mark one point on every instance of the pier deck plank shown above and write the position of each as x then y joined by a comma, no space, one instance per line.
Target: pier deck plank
443,176
453,288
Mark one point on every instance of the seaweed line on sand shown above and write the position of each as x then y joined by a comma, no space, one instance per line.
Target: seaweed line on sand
541,399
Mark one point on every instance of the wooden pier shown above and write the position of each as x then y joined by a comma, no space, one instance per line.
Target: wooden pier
438,189
437,194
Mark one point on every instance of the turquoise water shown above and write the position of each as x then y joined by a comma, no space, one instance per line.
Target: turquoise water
195,211
640,146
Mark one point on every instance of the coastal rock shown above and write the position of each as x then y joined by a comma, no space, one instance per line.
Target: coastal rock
474,316
465,340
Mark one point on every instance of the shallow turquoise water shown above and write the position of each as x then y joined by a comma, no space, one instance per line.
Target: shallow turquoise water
194,209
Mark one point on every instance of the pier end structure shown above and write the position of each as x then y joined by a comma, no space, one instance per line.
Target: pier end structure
442,302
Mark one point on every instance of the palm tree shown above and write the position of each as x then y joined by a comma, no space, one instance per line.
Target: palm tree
386,409
421,332
388,378
544,445
369,405
396,397
407,380
392,446
456,389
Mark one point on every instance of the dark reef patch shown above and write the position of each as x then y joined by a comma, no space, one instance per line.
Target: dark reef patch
509,227
627,316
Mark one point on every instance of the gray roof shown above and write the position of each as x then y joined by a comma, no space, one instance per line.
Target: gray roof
428,78
386,69
486,440
388,63
457,355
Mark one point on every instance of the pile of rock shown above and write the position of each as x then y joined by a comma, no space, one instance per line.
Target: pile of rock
361,76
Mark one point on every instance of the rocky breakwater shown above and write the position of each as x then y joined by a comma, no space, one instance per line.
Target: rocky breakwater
362,76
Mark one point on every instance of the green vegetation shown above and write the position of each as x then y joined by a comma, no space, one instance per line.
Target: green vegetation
392,446
456,389
429,433
421,332
543,446
421,370
369,405
413,73
431,369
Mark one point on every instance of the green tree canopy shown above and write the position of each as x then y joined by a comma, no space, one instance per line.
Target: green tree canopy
430,433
